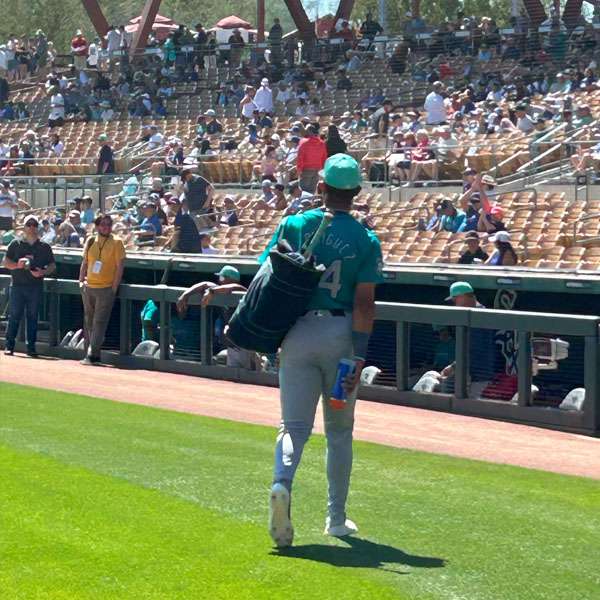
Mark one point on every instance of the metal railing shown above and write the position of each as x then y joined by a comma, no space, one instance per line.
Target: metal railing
402,315
59,188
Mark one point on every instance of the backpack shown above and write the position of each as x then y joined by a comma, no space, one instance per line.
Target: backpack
277,296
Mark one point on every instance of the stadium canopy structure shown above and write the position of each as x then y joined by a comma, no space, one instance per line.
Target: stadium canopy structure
162,25
305,27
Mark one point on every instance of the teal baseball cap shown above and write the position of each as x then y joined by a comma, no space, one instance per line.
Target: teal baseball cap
342,172
229,271
458,288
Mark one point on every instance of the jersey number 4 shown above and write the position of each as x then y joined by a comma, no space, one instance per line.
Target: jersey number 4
330,280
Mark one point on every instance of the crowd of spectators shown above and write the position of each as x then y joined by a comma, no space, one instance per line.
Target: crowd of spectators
285,124
103,85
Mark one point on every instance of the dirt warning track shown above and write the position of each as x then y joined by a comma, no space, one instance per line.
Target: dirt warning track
403,427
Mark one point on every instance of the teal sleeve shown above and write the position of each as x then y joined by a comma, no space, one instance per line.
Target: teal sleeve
371,268
272,243
458,222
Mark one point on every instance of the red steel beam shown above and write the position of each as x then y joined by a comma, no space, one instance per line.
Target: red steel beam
536,11
96,16
416,8
145,26
260,20
298,14
572,11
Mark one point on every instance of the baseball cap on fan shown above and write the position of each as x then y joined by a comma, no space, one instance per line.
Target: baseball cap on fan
229,271
458,288
342,172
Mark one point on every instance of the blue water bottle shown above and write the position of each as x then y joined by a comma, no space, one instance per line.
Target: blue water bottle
339,394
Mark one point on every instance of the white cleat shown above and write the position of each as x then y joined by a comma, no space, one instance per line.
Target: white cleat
347,528
280,525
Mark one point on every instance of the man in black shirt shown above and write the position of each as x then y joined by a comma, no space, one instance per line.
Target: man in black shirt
275,38
474,252
30,260
380,123
370,28
200,43
213,125
198,196
186,238
106,162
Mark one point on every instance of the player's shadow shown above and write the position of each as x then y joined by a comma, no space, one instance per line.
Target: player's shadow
361,553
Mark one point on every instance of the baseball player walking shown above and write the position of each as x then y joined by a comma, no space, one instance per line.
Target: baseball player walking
336,325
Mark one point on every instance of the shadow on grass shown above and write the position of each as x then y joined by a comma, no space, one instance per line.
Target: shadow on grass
360,553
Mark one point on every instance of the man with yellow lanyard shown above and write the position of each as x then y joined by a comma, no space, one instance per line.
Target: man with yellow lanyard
99,278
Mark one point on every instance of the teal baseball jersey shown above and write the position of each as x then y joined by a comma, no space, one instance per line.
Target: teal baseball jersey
350,253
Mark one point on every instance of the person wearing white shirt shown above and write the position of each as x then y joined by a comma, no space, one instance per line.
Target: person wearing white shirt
284,93
49,234
4,149
264,96
496,94
524,123
113,39
156,138
554,18
103,58
126,39
57,110
292,151
11,64
434,105
248,105
3,58
9,204
83,78
354,62
56,145
93,48
206,245
447,149
107,114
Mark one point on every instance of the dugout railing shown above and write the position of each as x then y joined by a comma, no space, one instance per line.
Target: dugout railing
57,322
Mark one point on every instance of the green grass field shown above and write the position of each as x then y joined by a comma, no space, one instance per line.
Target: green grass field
107,500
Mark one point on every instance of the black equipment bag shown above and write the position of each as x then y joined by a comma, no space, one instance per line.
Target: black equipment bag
277,296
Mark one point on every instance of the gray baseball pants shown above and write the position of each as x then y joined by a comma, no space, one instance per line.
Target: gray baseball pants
308,367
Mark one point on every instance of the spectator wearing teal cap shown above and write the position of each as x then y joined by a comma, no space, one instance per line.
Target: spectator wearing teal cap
482,350
462,294
228,282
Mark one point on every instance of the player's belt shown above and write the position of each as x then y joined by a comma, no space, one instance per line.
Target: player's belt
334,312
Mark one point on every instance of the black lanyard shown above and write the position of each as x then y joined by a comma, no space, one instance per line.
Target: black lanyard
100,248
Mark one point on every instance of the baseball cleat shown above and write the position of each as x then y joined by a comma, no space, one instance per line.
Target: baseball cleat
347,528
280,525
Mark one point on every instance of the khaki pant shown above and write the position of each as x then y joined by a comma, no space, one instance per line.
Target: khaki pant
80,61
97,306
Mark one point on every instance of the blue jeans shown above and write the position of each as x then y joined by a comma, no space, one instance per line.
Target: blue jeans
308,364
23,298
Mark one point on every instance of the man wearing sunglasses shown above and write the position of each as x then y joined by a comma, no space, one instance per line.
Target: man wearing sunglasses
99,278
29,260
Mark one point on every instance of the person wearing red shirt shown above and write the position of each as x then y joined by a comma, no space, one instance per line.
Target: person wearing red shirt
79,50
312,155
346,33
445,70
